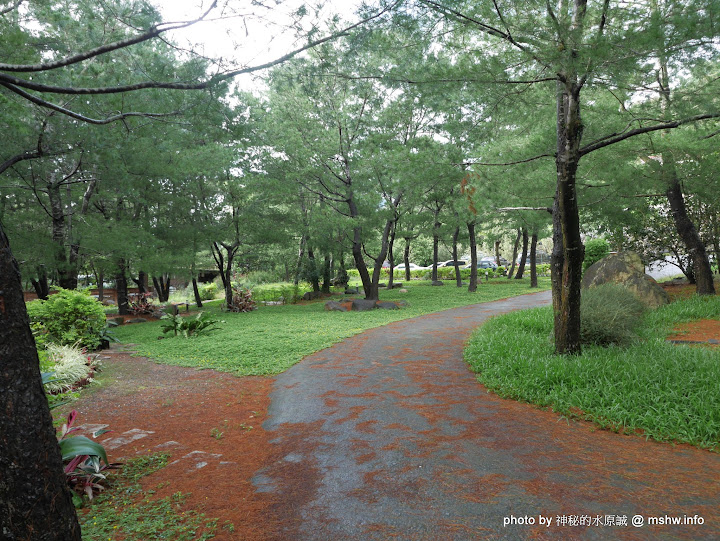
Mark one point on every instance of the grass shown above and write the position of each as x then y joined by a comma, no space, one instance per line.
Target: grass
273,338
664,391
126,511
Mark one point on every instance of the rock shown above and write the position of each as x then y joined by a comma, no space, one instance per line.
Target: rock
334,306
437,283
397,285
116,320
403,291
402,304
351,291
137,320
627,270
311,295
382,284
387,306
362,305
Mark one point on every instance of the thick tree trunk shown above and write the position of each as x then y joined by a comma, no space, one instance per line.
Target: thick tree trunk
379,260
121,289
360,261
688,233
196,292
533,265
35,502
100,278
515,252
523,255
472,287
497,253
141,282
566,286
225,266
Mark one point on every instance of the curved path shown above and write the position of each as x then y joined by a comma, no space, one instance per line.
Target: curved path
388,435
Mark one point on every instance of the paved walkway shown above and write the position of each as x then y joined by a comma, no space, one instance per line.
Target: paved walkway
388,435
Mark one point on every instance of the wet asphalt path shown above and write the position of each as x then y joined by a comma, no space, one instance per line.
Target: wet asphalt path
388,435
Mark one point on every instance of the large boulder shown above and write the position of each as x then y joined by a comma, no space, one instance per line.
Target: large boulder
627,270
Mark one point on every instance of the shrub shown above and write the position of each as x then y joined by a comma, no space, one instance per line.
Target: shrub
141,304
208,291
70,317
202,323
608,315
242,300
595,250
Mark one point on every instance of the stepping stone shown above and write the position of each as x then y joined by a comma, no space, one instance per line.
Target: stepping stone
125,438
200,459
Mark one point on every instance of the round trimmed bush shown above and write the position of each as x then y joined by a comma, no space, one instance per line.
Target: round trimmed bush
70,317
595,250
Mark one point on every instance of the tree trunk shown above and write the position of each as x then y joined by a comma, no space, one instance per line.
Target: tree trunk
327,274
121,289
100,278
436,241
162,287
515,252
301,254
497,253
566,286
472,287
406,259
391,255
688,233
458,278
42,289
196,292
314,275
57,213
35,502
533,265
225,266
379,260
523,256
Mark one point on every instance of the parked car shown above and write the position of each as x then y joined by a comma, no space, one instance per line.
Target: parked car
451,263
412,267
484,264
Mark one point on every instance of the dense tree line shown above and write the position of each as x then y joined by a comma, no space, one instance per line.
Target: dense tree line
440,126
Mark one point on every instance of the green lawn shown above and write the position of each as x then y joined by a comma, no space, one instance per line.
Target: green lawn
271,339
669,392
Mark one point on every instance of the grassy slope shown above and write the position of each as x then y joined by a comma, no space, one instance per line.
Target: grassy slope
271,339
668,392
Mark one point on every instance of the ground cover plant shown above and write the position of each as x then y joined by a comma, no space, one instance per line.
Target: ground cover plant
129,512
273,338
651,387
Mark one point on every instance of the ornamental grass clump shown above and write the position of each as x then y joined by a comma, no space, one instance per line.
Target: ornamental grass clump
70,367
609,314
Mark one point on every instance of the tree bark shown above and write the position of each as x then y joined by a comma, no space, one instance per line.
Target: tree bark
391,257
436,241
406,259
497,253
42,289
57,213
301,254
314,275
35,502
472,287
196,292
523,256
702,272
533,264
458,278
327,274
514,257
162,286
121,289
566,223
